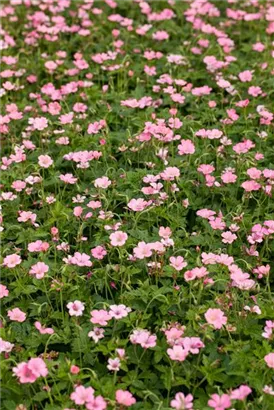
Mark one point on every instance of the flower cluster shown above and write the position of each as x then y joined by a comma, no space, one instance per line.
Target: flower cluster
136,205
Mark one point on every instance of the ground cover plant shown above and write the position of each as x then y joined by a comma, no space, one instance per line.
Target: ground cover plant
137,205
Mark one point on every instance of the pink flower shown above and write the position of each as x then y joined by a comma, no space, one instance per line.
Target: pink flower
68,179
173,335
45,161
177,353
186,147
138,204
258,47
100,317
254,173
250,186
18,185
3,291
245,76
76,308
165,232
51,65
118,238
125,398
119,311
269,359
216,318
121,353
74,369
228,177
38,246
199,91
39,270
30,371
97,403
24,374
114,364
43,330
78,210
11,261
38,367
79,259
96,334
66,118
206,213
243,147
254,91
98,252
241,393
82,395
103,182
262,270
25,216
189,275
170,173
177,98
228,237
5,346
95,127
178,263
160,35
206,169
39,123
192,344
219,402
17,315
182,402
144,338
143,250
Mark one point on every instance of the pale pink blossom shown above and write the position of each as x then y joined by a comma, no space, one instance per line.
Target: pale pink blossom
138,204
245,76
11,261
82,395
17,315
144,338
4,292
118,238
103,182
143,250
178,263
45,161
119,311
228,237
43,330
125,398
100,317
99,252
182,402
186,147
219,402
76,308
96,334
216,318
30,371
5,346
269,359
68,179
98,402
38,246
114,364
177,353
240,393
39,270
